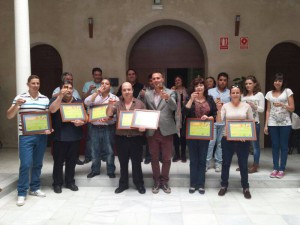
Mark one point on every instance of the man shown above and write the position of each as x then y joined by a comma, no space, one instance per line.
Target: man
67,136
66,76
221,95
89,88
129,142
31,147
161,140
102,132
132,79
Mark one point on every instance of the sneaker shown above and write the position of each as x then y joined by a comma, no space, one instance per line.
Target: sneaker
280,174
222,191
192,190
155,189
246,193
218,168
273,174
202,191
37,193
21,200
166,188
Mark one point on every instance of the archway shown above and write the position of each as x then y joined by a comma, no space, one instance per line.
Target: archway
285,58
169,49
47,64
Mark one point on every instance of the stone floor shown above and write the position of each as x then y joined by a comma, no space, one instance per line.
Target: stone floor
273,201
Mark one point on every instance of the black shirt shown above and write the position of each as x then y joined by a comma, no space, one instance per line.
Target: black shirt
65,131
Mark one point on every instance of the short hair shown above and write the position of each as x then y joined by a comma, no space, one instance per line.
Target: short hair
95,69
195,82
162,75
32,77
279,76
256,88
65,82
129,70
63,76
215,83
107,79
223,74
150,76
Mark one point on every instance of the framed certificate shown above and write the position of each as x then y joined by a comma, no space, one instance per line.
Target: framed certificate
125,120
240,129
97,112
72,111
35,122
199,129
145,118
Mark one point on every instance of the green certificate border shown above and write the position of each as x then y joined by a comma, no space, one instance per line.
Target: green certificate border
197,129
124,124
72,111
35,122
97,112
240,129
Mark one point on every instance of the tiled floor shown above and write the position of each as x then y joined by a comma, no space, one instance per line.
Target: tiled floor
97,204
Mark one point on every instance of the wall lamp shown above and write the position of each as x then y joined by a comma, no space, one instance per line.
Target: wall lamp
237,25
91,27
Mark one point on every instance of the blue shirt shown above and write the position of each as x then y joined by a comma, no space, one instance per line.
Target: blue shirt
224,97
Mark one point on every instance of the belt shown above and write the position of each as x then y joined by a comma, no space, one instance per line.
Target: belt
102,126
130,136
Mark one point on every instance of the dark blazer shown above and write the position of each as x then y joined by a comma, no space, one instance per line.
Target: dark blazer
166,122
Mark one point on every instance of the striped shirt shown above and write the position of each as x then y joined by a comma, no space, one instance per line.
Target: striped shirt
40,103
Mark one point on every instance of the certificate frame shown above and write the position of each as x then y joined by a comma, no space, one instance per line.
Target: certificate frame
43,119
247,131
94,112
145,119
193,134
76,108
122,115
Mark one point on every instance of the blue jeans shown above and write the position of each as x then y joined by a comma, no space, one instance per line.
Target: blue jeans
242,151
31,155
102,142
255,145
218,134
280,139
198,153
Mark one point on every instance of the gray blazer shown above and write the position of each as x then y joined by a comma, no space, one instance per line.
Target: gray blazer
166,122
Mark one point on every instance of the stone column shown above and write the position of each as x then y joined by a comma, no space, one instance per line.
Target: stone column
22,44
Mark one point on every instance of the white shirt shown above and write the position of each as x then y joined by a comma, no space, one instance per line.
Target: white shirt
259,101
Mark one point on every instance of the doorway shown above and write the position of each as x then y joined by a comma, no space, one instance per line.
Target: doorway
47,64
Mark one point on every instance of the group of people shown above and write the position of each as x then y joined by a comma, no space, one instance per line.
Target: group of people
205,99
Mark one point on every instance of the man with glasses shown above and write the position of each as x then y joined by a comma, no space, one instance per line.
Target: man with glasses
221,95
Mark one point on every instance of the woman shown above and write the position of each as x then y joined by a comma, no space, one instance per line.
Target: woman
181,100
253,96
31,147
280,102
210,82
235,110
200,105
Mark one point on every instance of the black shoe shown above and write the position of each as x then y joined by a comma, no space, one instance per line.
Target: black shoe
201,191
120,189
141,189
147,161
79,162
183,159
246,193
57,189
111,175
222,191
72,187
92,174
192,190
176,158
86,161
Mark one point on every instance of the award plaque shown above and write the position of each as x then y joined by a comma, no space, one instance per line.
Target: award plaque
199,129
35,122
145,119
72,111
125,120
237,130
97,112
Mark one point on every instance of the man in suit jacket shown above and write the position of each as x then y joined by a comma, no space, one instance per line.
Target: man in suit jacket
161,140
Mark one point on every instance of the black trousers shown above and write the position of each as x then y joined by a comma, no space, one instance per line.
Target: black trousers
64,151
130,148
